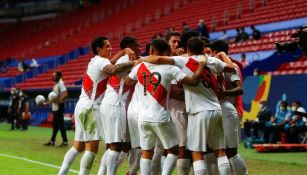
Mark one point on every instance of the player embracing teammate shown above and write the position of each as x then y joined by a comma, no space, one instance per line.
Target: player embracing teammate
202,121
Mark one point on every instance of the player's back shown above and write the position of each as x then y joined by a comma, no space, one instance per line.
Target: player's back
156,83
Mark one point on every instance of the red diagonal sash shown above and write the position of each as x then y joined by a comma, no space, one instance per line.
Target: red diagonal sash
209,80
101,87
160,95
114,82
87,84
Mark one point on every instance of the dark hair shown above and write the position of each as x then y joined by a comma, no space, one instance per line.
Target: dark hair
205,40
243,55
170,34
98,42
284,103
195,45
160,45
220,46
127,41
58,74
298,103
147,49
186,36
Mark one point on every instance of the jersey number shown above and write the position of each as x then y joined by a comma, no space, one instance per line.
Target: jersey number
154,80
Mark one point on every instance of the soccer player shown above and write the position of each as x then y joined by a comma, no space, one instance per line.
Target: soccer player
205,125
174,41
177,107
231,122
153,119
87,116
113,111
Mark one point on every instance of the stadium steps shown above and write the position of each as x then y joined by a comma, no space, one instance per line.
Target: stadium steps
275,10
267,42
294,67
72,71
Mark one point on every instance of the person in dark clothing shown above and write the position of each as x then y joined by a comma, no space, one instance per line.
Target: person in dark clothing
23,110
276,126
238,36
297,123
58,109
256,128
256,33
244,35
13,109
202,29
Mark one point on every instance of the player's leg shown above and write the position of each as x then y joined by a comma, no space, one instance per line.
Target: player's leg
135,153
168,136
197,140
211,162
158,158
147,142
112,159
103,164
70,156
91,149
184,155
134,161
216,141
231,133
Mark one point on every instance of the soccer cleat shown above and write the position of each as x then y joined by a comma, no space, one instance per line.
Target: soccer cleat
50,143
63,144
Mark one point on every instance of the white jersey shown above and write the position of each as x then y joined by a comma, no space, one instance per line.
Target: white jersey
135,101
58,88
156,83
230,78
94,83
175,104
202,96
117,92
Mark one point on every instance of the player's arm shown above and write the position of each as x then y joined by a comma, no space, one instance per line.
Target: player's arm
154,59
63,96
194,80
129,81
126,51
238,90
118,68
177,93
229,65
132,77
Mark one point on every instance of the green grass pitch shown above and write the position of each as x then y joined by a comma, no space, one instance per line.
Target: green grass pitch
29,145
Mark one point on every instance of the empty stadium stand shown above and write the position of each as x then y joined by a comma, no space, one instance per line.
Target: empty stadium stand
55,37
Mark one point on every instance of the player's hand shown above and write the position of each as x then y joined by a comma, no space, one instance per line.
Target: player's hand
220,55
203,58
131,54
179,51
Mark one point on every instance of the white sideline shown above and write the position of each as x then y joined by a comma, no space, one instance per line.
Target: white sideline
37,162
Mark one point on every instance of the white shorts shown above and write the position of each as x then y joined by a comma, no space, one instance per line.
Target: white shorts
180,118
164,131
231,125
205,128
133,130
88,124
114,123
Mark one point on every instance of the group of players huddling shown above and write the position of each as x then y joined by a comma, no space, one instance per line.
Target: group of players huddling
176,107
